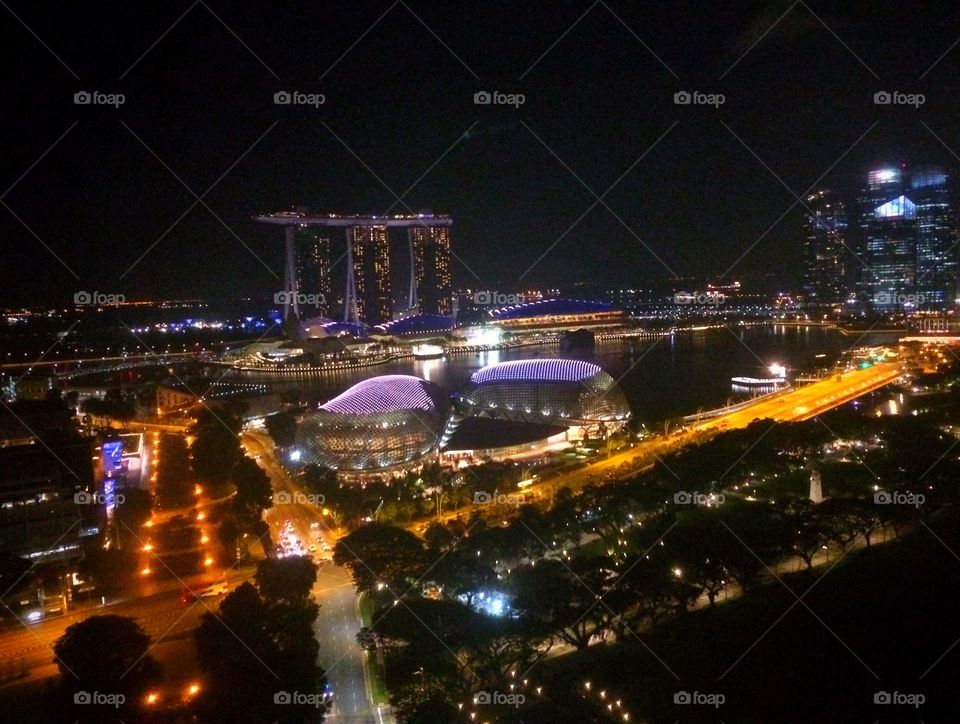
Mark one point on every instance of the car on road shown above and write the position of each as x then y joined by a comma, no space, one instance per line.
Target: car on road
195,594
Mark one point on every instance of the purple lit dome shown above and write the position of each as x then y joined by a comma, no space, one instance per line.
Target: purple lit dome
384,422
387,393
550,391
545,370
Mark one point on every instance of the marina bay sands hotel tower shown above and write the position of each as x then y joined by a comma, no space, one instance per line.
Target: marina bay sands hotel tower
367,297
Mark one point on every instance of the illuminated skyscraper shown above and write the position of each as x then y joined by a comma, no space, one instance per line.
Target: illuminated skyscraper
368,256
936,239
312,246
888,224
908,234
825,227
430,285
367,294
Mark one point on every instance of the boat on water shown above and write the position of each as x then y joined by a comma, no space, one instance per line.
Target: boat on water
778,380
428,351
754,382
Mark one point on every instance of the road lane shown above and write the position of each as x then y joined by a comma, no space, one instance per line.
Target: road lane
337,625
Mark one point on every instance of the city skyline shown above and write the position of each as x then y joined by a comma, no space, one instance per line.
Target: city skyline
396,362
890,245
368,263
523,180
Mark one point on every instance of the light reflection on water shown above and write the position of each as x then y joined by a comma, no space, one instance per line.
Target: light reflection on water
662,378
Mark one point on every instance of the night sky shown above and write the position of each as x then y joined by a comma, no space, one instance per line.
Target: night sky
399,82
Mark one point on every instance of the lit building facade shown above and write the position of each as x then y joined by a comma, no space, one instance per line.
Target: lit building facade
369,260
430,283
825,229
313,262
908,235
367,296
936,238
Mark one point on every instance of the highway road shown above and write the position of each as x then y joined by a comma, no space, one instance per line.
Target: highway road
793,405
29,646
339,620
804,403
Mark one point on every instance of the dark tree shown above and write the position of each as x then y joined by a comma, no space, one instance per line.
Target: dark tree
251,650
228,535
808,527
253,492
176,535
562,600
137,504
377,553
110,569
236,650
462,573
110,652
282,427
174,487
286,580
216,450
439,537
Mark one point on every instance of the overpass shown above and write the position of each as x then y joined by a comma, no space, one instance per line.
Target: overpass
105,364
124,363
808,401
